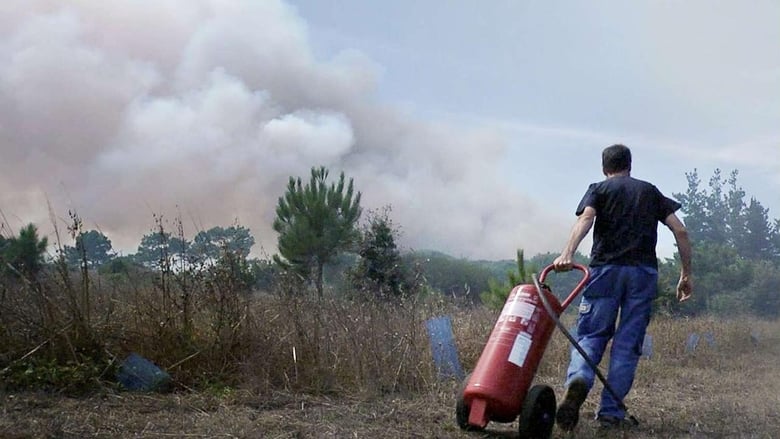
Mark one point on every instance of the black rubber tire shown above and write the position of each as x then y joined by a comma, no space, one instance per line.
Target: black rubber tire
537,417
462,410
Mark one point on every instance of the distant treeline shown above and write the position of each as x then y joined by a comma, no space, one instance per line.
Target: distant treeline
736,252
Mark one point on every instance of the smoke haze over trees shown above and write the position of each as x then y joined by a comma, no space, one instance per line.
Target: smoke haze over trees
203,109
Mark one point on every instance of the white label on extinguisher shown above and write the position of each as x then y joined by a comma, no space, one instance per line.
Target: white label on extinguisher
520,349
521,309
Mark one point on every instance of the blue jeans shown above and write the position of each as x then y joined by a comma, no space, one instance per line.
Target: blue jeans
612,288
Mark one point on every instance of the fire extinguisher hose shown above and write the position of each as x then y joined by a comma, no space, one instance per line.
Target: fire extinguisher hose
579,348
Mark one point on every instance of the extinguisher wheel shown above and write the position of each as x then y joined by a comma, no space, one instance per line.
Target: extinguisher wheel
537,416
462,410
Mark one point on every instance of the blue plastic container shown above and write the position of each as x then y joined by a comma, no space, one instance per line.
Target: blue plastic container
139,374
445,354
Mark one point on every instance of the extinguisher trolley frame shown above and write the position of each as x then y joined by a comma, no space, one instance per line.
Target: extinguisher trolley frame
475,413
577,289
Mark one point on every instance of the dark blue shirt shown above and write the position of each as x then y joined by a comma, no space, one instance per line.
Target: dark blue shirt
627,215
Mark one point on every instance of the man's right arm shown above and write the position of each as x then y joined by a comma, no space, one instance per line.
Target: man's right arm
564,262
685,284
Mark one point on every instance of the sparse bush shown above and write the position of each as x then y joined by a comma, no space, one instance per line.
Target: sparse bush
454,277
71,377
380,271
207,327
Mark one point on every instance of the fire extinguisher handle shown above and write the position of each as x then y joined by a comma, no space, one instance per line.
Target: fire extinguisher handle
577,289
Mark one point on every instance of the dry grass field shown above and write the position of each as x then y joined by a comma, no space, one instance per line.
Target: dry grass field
727,390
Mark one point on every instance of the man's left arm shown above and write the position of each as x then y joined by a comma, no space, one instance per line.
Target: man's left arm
685,284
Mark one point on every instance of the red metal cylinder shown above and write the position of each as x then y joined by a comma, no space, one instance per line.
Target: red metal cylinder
511,356
503,375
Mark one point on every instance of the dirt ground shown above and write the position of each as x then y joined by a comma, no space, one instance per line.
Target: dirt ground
712,396
701,409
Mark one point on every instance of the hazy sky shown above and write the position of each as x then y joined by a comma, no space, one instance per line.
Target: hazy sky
480,123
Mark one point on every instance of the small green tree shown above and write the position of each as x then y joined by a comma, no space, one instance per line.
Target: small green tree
25,253
380,268
315,222
496,294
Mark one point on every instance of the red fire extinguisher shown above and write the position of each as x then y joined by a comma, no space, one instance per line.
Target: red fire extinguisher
498,388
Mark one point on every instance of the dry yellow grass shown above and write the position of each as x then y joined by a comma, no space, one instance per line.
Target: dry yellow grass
730,390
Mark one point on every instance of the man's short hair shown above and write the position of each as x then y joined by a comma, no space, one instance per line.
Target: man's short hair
616,158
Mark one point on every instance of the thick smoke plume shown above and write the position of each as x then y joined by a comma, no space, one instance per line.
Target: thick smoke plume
203,109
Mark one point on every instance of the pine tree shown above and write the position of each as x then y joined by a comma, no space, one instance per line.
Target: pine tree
92,246
25,253
498,292
756,242
315,222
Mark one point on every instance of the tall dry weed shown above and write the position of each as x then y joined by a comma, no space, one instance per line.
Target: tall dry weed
206,326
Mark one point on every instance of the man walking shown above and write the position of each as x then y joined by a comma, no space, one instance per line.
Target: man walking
623,279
